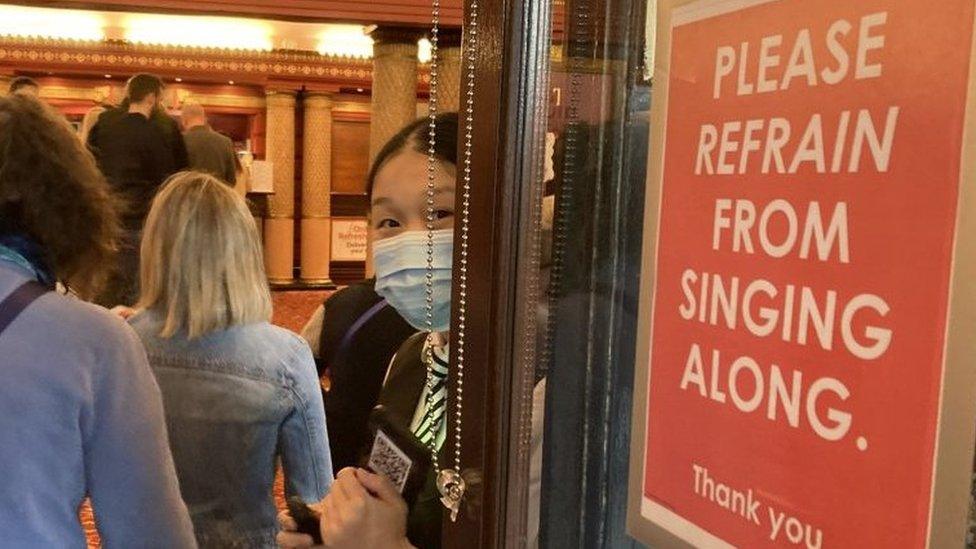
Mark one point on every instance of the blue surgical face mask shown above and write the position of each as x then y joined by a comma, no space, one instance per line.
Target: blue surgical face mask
401,276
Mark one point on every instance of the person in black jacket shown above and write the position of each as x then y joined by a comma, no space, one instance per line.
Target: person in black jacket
169,127
353,336
136,153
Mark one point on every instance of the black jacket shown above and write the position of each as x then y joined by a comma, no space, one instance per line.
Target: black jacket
357,367
400,396
135,157
169,127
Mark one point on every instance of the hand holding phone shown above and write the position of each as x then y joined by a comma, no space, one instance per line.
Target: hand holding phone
397,455
306,518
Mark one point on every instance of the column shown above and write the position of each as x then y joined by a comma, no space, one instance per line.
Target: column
394,92
317,189
279,227
449,70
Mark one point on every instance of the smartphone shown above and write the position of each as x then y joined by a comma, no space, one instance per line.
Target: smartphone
398,455
306,518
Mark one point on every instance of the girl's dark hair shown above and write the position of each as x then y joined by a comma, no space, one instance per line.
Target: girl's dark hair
415,137
51,190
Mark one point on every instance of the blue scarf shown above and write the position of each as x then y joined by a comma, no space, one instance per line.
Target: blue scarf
25,253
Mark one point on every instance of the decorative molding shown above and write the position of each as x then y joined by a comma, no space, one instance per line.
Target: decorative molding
178,60
221,100
397,12
98,94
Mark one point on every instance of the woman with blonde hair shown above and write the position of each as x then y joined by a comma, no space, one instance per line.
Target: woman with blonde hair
238,392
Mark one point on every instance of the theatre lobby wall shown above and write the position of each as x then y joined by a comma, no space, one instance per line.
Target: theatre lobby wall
314,117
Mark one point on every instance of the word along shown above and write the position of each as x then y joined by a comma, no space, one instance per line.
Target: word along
792,313
739,217
771,144
738,502
762,72
750,388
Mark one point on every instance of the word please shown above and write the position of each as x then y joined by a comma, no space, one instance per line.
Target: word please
802,64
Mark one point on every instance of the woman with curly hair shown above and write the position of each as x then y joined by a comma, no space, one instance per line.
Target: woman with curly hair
80,412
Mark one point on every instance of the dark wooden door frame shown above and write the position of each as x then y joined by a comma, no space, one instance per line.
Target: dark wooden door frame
510,91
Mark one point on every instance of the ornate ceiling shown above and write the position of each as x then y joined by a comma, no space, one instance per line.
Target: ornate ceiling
246,67
406,12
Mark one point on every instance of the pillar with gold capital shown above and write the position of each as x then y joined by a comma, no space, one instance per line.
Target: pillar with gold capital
394,92
449,70
279,227
317,189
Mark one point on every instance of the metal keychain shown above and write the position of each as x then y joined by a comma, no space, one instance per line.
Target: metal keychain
450,483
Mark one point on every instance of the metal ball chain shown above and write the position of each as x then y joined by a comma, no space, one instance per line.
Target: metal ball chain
462,306
431,174
450,482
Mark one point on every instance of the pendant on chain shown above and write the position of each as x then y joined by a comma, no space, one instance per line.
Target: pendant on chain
451,485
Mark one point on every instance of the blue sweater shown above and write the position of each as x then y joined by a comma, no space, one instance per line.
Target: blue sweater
81,414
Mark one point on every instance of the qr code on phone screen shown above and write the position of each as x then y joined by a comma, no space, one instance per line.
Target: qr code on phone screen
388,460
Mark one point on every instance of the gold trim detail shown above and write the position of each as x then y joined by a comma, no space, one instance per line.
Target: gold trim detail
121,54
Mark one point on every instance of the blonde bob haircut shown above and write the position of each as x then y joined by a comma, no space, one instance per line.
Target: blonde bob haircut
202,267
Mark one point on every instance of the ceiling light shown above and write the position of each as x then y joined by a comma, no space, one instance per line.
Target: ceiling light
231,82
345,41
178,79
360,90
51,23
206,32
108,76
424,51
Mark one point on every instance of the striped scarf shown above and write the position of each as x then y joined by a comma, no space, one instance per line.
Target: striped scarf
429,426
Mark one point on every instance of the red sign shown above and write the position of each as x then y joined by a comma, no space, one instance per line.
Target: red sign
812,163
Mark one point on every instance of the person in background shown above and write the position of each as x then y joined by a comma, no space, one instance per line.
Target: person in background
24,85
209,151
168,125
353,336
134,155
238,392
89,121
80,412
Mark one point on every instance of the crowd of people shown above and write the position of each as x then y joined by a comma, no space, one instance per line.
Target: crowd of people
173,411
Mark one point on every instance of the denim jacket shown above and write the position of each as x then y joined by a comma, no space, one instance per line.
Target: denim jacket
236,400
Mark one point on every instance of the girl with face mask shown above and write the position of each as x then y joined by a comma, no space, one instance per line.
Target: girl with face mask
363,509
397,186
